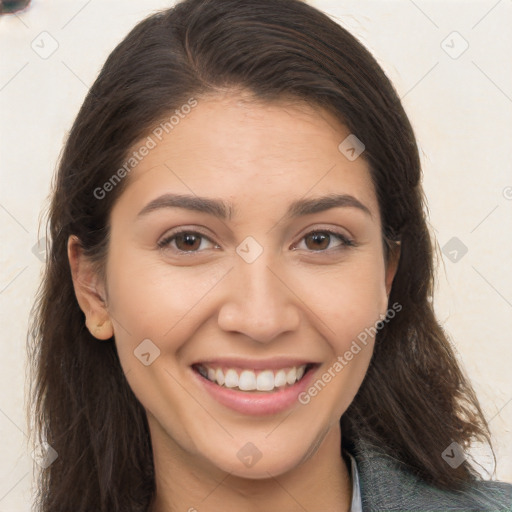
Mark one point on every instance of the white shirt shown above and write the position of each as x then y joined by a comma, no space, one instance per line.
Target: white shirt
357,504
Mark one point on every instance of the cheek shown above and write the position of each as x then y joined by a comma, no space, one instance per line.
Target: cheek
350,305
346,300
151,298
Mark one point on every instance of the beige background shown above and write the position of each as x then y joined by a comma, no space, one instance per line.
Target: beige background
460,106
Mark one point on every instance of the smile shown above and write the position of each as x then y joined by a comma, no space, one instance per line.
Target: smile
252,380
254,387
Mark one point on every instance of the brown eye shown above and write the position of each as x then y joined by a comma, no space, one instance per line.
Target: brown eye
322,241
317,241
188,241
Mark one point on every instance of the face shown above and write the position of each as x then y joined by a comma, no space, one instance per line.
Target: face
245,259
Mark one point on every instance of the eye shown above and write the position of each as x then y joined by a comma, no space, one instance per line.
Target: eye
187,241
323,240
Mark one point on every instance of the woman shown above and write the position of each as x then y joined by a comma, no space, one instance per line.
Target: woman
237,308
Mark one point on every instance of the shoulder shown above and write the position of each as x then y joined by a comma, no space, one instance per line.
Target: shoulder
387,485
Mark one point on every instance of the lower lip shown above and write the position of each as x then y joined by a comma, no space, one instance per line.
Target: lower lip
254,402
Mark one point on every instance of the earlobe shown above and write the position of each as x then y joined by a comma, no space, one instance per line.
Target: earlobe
89,291
102,331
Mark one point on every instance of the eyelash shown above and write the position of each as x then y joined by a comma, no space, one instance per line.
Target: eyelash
345,241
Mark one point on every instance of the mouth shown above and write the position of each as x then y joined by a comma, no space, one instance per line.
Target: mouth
257,388
265,380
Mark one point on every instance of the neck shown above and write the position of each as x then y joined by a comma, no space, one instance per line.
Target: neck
320,482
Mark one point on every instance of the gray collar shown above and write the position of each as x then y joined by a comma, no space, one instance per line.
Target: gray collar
382,483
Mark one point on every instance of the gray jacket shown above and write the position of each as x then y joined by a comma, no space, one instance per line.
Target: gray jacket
387,486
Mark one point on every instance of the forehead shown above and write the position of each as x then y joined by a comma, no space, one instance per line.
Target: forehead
252,153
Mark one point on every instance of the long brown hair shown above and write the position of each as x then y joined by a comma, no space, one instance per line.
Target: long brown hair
415,400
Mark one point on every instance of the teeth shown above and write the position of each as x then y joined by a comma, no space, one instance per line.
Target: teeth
219,377
248,380
280,379
231,379
291,376
265,381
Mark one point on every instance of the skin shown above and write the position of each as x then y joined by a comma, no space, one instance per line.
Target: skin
295,299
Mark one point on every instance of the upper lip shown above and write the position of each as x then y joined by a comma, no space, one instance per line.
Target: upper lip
254,364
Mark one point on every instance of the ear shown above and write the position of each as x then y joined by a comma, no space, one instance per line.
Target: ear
392,266
89,291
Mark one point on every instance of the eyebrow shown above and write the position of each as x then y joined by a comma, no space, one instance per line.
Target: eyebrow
323,203
222,210
215,207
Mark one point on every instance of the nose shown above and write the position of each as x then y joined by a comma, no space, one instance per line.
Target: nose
258,302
